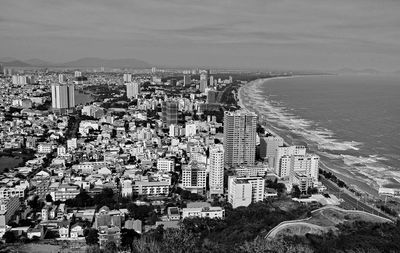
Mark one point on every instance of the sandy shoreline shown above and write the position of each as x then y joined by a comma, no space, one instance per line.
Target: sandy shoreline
326,163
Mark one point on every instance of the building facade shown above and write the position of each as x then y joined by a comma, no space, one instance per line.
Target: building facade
216,166
62,96
169,113
132,90
240,137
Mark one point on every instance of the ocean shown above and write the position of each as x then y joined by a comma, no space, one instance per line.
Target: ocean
351,122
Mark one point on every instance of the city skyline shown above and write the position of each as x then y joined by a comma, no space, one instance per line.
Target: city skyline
295,35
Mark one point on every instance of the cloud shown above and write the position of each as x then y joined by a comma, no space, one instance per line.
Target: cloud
292,31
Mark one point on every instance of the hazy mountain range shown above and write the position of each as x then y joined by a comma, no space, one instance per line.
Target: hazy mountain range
88,62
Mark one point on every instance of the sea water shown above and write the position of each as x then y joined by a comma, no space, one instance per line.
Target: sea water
352,122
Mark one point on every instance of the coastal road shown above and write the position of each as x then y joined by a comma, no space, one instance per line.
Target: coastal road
351,201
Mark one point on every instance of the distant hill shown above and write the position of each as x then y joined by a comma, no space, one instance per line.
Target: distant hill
14,63
115,63
88,62
39,63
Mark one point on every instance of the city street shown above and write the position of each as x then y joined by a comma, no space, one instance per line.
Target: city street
349,201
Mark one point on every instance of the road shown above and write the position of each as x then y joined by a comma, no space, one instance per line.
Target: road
349,200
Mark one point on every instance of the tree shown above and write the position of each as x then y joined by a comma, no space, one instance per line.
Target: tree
313,190
127,237
34,203
49,198
110,247
296,192
91,236
139,212
9,237
93,249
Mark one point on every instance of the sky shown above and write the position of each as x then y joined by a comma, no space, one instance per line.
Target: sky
259,34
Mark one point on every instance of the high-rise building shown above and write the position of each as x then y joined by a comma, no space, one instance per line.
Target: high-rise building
21,79
190,129
127,78
307,165
169,113
62,96
283,159
77,74
203,81
165,165
1,69
187,79
211,81
216,166
62,78
132,90
269,147
240,137
212,96
242,191
194,177
8,71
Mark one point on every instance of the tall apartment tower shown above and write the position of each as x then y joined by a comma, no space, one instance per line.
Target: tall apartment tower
62,78
132,90
203,81
216,165
240,137
211,81
62,96
127,78
169,113
212,96
77,74
187,79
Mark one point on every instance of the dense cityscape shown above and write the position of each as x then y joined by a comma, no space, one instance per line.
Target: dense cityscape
175,126
110,160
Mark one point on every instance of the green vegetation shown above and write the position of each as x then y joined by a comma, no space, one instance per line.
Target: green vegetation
241,225
244,230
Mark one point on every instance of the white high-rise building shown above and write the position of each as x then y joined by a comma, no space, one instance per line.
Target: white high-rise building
132,90
194,177
62,96
21,79
72,144
62,78
240,137
203,81
78,74
216,166
165,165
127,78
282,168
190,129
307,165
245,190
61,150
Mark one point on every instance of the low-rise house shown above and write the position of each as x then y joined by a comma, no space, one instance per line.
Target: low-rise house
37,231
76,231
204,212
109,234
64,231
